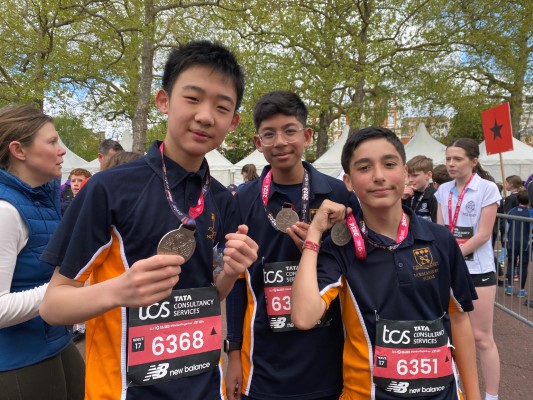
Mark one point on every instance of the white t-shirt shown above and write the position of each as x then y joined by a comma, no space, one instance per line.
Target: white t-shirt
15,308
478,194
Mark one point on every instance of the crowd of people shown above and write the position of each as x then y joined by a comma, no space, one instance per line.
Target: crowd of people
377,286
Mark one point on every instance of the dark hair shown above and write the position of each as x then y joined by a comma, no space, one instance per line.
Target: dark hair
373,132
440,174
20,124
203,53
120,157
109,144
523,197
279,102
250,170
419,163
471,149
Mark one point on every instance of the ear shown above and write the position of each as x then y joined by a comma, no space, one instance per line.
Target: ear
257,143
162,100
308,132
475,162
235,122
17,150
347,182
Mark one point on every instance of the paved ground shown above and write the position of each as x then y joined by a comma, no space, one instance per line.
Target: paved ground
515,343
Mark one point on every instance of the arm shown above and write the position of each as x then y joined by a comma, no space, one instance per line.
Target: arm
465,353
67,301
239,254
18,307
440,220
484,233
306,303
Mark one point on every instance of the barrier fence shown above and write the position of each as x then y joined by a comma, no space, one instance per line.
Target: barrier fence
512,254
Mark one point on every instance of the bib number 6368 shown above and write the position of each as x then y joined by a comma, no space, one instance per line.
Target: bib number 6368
172,343
425,366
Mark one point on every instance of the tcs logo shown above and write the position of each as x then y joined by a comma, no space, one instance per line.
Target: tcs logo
154,311
395,336
273,276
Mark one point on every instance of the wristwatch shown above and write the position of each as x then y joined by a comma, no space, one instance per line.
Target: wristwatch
230,346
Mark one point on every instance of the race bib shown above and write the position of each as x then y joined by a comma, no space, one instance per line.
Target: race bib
278,278
177,337
462,234
412,358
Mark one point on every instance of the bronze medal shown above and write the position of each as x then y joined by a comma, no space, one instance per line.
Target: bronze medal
286,218
340,233
180,241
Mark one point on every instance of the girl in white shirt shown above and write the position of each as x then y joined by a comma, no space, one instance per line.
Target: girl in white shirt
467,205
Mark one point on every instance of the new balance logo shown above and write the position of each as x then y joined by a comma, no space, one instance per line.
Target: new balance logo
277,323
397,387
156,371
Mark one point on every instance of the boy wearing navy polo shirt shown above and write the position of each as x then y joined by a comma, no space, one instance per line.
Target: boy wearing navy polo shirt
268,357
402,281
154,237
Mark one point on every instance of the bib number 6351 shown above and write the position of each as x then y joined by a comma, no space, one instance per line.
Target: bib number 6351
425,366
172,343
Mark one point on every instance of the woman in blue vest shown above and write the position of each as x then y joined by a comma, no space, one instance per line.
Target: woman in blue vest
37,361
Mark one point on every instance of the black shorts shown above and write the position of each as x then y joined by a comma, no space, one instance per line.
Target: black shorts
486,279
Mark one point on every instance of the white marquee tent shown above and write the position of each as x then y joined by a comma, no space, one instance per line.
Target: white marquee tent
329,163
519,161
255,158
423,144
70,161
220,167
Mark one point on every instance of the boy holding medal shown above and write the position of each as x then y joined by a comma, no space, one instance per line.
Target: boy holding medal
148,234
402,281
268,358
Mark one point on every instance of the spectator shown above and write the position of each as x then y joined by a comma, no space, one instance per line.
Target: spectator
440,176
119,158
107,148
77,178
37,361
419,194
249,172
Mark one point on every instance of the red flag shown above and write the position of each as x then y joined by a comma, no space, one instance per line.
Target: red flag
497,129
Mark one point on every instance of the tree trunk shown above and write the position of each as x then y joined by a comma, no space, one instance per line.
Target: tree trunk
322,134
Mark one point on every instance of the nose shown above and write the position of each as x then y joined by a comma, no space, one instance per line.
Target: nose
280,140
62,151
205,115
378,174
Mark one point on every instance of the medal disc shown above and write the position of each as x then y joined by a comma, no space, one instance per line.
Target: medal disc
179,241
286,218
340,233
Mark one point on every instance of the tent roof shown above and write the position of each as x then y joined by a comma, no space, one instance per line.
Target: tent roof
521,152
70,161
423,144
217,161
519,161
330,162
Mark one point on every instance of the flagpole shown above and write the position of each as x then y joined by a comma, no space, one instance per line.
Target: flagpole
503,176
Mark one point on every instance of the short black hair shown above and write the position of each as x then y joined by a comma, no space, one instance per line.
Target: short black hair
373,132
109,144
279,102
203,53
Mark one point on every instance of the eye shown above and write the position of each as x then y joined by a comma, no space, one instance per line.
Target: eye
391,164
267,135
224,109
363,168
191,99
291,131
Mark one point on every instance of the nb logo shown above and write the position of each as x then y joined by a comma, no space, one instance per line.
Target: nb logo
156,371
277,323
398,387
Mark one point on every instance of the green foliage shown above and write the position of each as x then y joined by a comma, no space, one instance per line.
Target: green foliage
82,141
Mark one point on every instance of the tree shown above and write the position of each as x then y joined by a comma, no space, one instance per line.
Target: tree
82,141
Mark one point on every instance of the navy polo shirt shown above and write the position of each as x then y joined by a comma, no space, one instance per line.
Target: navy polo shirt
423,279
283,365
119,218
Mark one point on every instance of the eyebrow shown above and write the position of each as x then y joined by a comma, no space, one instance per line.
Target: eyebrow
386,157
288,125
202,91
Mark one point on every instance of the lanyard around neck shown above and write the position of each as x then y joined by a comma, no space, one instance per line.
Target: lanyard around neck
453,222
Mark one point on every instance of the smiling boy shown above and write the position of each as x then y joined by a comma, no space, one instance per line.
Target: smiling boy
149,233
403,284
419,195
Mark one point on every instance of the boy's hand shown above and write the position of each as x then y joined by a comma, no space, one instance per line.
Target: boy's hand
240,252
148,281
408,192
298,233
327,215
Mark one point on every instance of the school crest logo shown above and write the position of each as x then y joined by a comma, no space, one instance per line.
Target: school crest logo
423,257
470,207
312,213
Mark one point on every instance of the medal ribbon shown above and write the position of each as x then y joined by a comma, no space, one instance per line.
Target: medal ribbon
359,236
187,220
265,191
453,222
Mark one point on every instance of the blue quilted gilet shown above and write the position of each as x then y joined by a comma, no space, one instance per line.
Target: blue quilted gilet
32,341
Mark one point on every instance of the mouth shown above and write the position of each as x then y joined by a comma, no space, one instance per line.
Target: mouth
200,134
